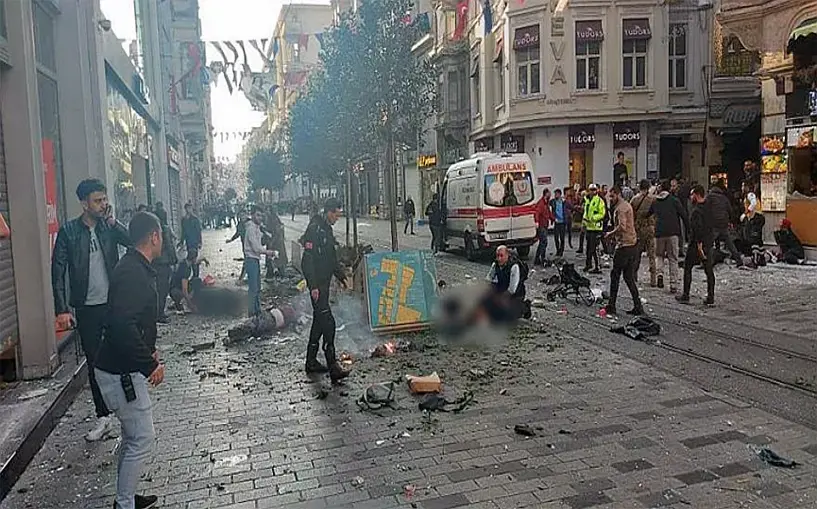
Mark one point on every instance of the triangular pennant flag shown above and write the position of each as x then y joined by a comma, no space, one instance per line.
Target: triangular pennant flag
319,37
231,47
264,43
275,48
488,16
260,50
244,53
273,89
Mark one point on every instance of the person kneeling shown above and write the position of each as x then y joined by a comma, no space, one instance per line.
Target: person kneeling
505,301
181,289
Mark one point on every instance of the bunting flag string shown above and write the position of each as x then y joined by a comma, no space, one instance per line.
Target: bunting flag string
225,136
244,53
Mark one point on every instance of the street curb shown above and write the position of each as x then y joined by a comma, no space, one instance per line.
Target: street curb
15,466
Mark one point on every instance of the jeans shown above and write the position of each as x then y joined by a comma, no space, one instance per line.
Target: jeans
667,247
409,223
541,251
726,238
625,261
559,231
646,243
582,233
436,238
90,323
138,435
691,259
323,326
569,230
253,269
593,238
163,273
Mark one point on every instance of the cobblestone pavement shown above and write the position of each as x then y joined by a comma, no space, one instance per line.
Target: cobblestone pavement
241,427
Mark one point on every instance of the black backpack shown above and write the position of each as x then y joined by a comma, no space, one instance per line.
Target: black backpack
524,270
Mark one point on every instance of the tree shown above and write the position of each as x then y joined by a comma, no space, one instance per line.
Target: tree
266,170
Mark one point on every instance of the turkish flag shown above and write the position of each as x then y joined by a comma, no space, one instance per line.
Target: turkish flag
462,19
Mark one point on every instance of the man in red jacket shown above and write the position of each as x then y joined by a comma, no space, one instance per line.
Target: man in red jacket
544,216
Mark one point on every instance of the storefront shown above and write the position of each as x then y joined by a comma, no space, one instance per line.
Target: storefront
8,299
582,144
431,177
129,172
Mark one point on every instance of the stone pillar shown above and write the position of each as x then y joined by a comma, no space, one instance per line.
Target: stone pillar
31,248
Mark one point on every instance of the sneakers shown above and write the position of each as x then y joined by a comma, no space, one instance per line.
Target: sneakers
636,311
660,281
683,299
104,426
141,502
315,367
709,301
609,310
337,373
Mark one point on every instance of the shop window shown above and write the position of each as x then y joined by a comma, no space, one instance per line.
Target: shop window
677,56
635,63
528,71
44,49
588,65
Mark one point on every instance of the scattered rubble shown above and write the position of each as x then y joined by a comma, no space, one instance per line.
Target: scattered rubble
524,430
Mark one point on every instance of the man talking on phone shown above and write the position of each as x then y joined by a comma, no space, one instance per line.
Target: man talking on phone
87,248
128,362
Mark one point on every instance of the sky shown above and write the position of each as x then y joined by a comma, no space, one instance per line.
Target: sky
221,20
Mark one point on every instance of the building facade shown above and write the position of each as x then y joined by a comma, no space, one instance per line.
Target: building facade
784,34
576,84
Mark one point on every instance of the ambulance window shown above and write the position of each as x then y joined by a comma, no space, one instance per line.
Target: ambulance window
508,189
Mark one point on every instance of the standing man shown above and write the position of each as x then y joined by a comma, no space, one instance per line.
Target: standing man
543,219
87,248
721,214
595,211
161,213
240,232
253,251
560,214
645,226
128,361
700,247
319,264
620,173
670,215
625,259
164,266
191,232
409,211
435,222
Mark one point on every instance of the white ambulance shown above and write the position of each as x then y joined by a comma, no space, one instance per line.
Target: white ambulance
490,200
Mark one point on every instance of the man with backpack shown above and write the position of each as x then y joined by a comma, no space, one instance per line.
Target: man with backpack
505,301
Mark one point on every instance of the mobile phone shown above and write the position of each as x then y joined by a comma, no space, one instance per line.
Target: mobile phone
127,386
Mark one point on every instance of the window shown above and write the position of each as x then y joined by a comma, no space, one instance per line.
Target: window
508,189
500,80
635,63
3,19
475,92
677,56
588,65
453,91
528,71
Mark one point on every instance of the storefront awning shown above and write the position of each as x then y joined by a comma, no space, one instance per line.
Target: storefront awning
803,30
527,37
636,28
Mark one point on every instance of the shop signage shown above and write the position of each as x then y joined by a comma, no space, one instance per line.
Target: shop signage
140,89
527,37
626,134
565,101
512,144
800,137
636,28
740,116
582,137
484,145
589,31
772,145
427,161
50,170
544,180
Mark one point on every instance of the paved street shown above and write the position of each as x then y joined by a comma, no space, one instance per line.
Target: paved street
241,427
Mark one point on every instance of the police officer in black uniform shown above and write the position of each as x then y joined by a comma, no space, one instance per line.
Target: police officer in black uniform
319,263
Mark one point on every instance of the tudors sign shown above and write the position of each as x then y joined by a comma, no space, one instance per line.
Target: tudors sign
589,31
626,135
527,37
582,136
636,28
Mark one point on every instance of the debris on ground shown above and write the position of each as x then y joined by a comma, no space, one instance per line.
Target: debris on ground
409,490
640,328
346,359
524,430
357,482
204,346
424,384
32,394
390,348
377,396
774,459
437,403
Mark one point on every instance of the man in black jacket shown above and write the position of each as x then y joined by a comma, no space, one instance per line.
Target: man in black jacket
191,232
720,210
669,214
435,223
699,249
128,361
87,248
319,263
409,211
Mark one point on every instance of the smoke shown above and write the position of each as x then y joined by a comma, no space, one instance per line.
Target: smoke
353,334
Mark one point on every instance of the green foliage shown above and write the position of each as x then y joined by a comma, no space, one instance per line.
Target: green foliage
266,169
369,87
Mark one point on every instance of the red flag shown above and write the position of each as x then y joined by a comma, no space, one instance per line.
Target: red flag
462,19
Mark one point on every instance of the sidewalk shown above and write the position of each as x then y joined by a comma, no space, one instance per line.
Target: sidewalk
243,428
